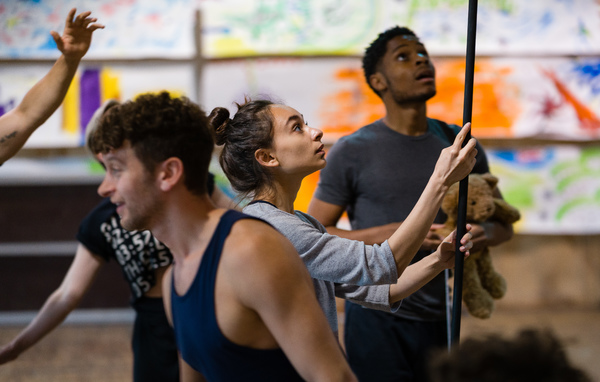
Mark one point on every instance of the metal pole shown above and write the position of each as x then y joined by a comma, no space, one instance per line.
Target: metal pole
461,223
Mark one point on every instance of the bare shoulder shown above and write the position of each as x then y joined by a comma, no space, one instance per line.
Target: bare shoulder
251,236
254,244
262,266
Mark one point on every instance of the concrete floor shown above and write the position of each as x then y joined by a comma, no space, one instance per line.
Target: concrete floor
102,352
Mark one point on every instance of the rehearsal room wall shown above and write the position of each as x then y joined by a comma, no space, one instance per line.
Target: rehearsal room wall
534,110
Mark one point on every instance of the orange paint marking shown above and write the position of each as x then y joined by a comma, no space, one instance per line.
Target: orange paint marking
587,118
495,102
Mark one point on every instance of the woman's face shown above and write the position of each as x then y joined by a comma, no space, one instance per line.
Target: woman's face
296,146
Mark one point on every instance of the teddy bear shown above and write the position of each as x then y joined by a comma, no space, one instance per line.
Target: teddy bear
481,283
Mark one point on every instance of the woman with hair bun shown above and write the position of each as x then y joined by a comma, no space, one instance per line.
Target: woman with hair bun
268,149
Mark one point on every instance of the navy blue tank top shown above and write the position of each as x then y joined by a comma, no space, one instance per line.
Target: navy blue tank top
199,339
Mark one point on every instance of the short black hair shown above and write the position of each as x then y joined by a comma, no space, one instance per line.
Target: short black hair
377,49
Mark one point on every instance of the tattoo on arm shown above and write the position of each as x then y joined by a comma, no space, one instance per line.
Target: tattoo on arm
8,136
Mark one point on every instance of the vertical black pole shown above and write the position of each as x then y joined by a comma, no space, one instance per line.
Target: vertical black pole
461,222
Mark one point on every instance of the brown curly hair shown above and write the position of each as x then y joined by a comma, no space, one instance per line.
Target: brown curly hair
159,127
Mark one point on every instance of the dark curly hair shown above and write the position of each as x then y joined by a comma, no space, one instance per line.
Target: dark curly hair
375,52
250,129
159,127
533,355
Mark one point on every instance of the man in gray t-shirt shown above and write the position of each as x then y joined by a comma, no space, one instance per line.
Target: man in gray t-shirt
377,174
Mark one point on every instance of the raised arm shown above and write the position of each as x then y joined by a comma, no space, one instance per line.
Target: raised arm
407,238
45,97
57,307
455,163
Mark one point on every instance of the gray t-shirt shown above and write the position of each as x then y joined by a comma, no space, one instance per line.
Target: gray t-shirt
339,267
379,175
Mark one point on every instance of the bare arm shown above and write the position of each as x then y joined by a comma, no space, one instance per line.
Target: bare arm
420,273
45,97
57,307
279,289
454,164
329,214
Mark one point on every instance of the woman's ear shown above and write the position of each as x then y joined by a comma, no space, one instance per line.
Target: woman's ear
265,158
170,172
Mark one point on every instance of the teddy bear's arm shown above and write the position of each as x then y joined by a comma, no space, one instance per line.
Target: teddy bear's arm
505,213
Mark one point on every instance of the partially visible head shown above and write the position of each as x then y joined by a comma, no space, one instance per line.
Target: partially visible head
96,117
263,139
533,355
158,127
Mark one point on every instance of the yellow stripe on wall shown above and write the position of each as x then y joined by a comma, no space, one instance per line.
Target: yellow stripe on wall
109,84
71,114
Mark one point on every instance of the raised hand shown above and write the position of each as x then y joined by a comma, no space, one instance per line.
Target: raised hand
77,36
456,162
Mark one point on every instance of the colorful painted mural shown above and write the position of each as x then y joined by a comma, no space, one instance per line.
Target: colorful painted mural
235,28
556,188
134,28
91,86
512,97
536,76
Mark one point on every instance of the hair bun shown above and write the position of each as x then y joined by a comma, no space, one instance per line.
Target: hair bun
219,120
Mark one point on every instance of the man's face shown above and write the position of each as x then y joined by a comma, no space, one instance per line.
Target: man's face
130,186
406,71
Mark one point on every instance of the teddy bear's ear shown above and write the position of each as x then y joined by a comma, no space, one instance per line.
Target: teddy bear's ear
490,179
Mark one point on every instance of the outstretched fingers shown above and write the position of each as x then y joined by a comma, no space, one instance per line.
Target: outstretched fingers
77,35
70,15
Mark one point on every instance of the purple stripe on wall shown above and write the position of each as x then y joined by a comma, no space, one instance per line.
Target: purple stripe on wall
89,96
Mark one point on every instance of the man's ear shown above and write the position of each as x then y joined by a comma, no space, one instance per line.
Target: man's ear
378,82
265,158
170,172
